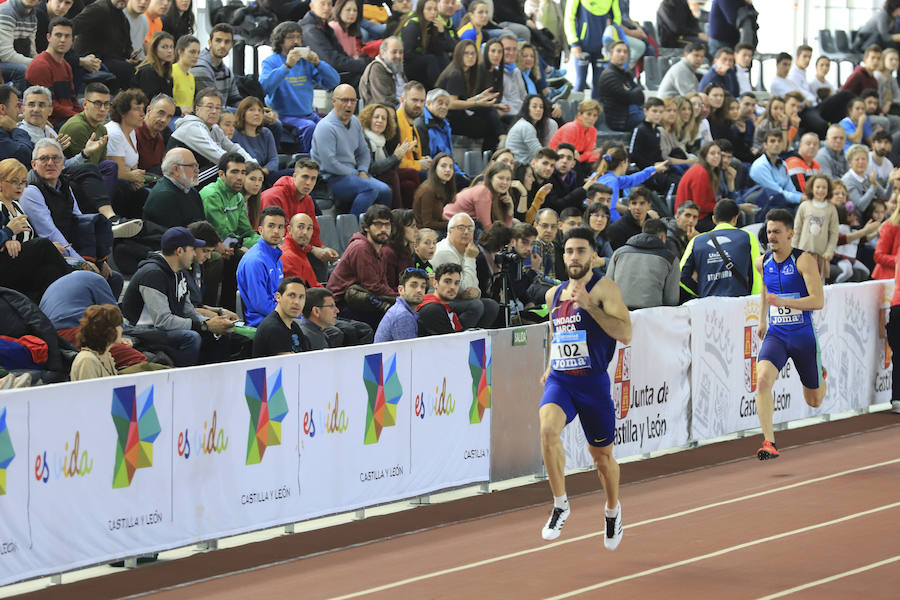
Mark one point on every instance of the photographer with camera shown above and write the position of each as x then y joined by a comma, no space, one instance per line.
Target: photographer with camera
519,269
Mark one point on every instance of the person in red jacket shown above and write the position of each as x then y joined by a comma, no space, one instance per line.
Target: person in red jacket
291,194
435,315
581,132
51,70
888,245
700,183
295,249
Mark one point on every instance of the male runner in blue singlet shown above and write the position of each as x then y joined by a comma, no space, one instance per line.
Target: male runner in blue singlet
587,316
792,289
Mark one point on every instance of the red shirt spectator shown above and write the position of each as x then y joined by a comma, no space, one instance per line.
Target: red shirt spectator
695,186
284,194
57,77
886,251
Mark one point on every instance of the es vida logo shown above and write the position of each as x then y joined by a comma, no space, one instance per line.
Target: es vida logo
480,367
442,404
7,454
268,407
137,426
384,393
336,419
213,440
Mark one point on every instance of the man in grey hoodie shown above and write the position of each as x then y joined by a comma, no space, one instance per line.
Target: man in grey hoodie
645,269
211,70
681,77
200,133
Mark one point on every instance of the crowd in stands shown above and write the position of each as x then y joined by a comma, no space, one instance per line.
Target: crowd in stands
158,209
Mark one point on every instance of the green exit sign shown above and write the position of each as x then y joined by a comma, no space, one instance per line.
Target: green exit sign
520,337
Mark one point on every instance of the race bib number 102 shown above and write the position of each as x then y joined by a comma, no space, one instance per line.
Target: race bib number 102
569,351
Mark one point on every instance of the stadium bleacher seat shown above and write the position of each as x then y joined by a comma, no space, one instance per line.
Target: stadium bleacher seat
653,74
842,42
329,233
347,225
830,49
474,162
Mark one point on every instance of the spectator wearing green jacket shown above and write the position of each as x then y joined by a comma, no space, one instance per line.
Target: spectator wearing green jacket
225,209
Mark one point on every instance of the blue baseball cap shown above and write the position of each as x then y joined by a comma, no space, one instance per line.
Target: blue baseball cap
179,237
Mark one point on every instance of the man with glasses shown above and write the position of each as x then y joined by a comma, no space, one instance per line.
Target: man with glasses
340,148
174,200
153,132
54,212
401,321
320,318
50,69
93,185
289,77
359,282
89,125
14,142
459,248
200,133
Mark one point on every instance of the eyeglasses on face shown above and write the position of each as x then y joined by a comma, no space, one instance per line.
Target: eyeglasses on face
49,158
16,182
100,103
464,227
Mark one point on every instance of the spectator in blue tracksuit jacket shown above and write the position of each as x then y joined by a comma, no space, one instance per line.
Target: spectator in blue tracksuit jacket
704,273
260,270
769,171
289,78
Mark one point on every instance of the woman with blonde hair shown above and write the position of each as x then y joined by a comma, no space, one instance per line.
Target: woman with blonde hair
99,329
28,263
670,143
688,120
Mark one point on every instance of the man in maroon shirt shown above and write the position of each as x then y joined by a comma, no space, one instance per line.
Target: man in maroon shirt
359,282
151,144
51,70
863,76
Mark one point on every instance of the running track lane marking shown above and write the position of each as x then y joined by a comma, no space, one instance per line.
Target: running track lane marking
825,580
723,551
689,511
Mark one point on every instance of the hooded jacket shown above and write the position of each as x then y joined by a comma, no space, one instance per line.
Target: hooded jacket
289,90
284,195
646,271
209,143
158,297
295,261
436,317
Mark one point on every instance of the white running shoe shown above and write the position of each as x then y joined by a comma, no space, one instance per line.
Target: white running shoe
614,530
555,523
895,406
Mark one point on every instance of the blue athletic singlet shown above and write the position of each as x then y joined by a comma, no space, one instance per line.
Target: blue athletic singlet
790,333
580,352
579,347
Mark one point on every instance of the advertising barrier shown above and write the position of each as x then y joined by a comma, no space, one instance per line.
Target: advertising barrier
650,387
98,470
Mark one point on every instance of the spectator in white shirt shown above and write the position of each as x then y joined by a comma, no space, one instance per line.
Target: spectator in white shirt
823,66
743,61
798,73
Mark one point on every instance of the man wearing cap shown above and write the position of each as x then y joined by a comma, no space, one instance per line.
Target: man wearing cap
157,297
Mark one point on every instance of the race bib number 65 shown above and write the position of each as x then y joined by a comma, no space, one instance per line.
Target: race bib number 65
569,350
783,315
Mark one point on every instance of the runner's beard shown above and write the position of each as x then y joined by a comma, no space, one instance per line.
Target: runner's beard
577,271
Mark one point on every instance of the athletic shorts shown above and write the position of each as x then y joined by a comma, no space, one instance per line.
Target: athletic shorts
587,397
802,346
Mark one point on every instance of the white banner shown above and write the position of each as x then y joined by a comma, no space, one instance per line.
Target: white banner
235,446
650,388
100,482
725,347
355,428
451,425
17,551
883,358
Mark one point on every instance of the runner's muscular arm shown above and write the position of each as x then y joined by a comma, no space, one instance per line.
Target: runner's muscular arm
609,311
763,324
808,267
548,298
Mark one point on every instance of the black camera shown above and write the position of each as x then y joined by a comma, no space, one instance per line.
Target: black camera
510,264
